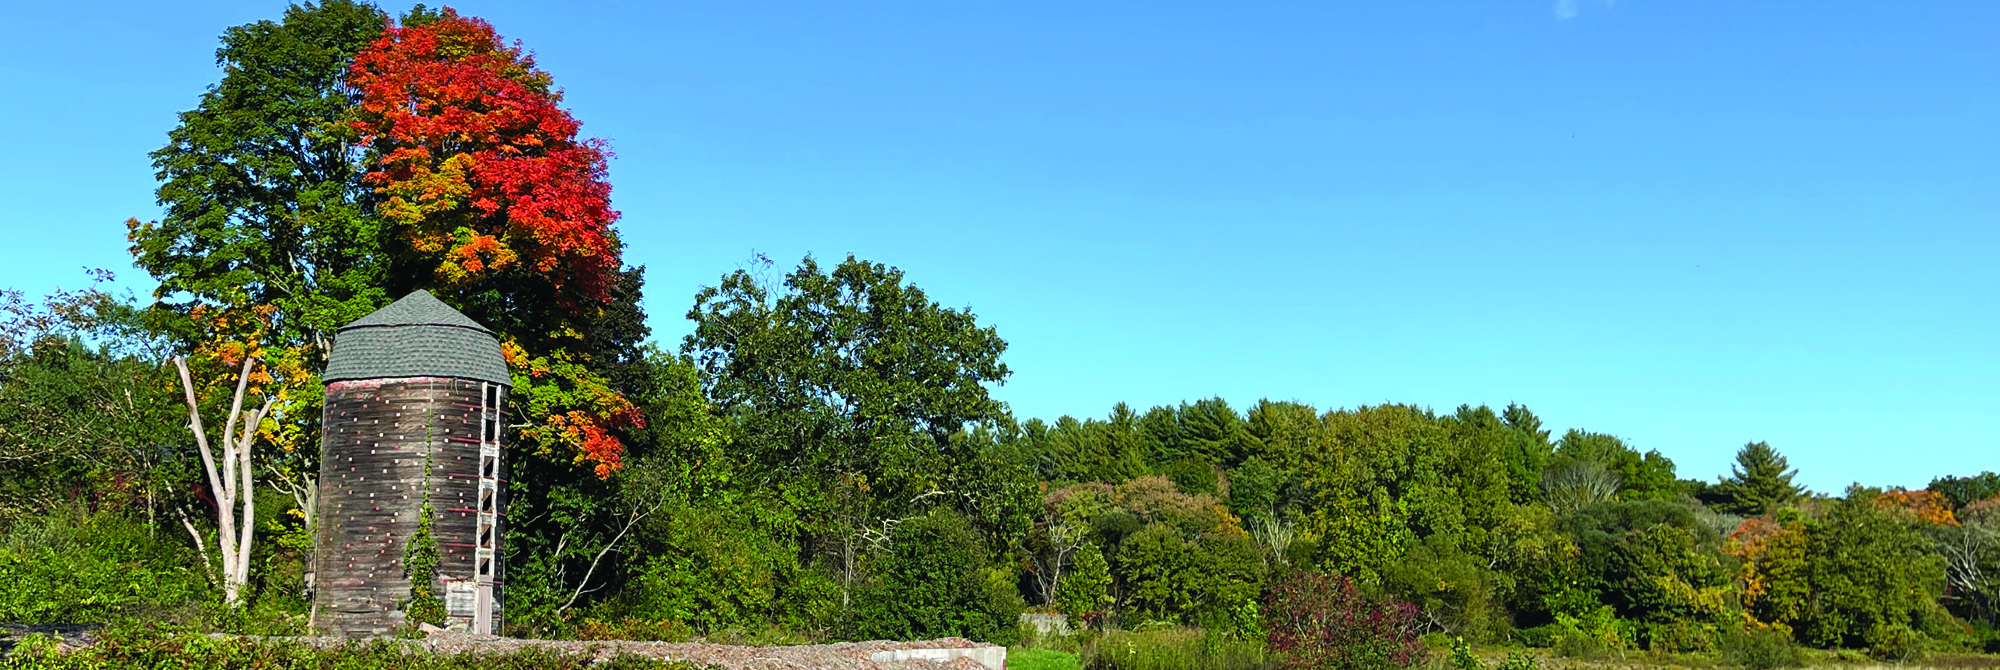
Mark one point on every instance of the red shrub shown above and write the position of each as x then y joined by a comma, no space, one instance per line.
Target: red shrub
1316,621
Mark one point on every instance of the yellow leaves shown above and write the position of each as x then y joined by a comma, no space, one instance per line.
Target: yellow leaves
1923,505
136,230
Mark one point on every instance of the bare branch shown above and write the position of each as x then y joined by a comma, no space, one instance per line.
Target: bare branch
634,520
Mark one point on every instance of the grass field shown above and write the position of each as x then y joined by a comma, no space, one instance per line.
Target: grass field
1183,648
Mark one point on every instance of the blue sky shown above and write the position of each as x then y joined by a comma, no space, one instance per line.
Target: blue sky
1689,224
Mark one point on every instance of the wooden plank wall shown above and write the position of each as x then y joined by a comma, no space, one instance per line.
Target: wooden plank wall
377,437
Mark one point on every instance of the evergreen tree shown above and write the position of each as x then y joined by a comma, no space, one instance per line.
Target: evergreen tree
1760,481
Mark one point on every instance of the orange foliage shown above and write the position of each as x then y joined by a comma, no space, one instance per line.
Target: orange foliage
1923,505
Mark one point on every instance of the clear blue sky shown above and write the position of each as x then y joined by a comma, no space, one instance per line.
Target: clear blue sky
1689,224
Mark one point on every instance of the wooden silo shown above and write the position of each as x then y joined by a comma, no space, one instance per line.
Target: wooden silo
415,398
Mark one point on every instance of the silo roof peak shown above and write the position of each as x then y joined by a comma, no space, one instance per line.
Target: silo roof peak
419,308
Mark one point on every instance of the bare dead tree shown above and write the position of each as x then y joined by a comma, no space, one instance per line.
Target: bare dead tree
1060,538
230,479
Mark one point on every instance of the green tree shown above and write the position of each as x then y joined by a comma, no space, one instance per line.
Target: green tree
87,407
261,181
1527,451
935,581
1962,491
1206,580
1760,482
1391,475
1651,560
1647,476
849,395
1873,579
1085,593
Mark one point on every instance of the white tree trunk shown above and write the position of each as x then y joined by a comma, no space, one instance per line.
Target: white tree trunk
230,479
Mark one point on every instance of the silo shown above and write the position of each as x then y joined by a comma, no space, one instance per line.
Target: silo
415,400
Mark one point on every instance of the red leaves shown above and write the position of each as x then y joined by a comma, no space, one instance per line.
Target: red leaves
483,177
1318,621
478,165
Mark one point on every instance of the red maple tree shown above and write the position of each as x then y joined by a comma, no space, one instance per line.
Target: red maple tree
484,182
480,170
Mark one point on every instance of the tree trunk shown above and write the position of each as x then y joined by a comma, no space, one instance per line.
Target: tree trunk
230,479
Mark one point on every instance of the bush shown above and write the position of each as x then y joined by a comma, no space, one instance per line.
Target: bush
1454,587
1315,621
1462,657
1174,649
1212,579
1591,636
633,629
1085,593
1681,637
1759,649
706,568
72,567
934,581
133,648
1520,660
1894,642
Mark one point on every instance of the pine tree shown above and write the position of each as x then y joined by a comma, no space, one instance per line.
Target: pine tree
1760,481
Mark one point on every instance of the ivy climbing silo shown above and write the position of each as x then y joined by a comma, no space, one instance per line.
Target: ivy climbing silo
415,394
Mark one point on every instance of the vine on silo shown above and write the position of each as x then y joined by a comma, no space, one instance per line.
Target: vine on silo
420,563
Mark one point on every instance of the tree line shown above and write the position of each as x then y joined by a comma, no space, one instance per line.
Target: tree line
822,456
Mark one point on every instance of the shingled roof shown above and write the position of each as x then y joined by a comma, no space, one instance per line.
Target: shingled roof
418,336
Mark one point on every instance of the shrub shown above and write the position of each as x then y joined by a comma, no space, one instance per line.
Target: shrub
1315,621
934,581
1174,649
1759,649
1454,587
633,629
1590,636
71,567
707,568
1462,657
1520,660
1893,642
1681,637
1085,593
143,649
1169,578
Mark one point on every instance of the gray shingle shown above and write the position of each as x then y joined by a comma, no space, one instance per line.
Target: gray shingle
418,336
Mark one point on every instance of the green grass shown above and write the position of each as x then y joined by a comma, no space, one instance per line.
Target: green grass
1174,649
1042,659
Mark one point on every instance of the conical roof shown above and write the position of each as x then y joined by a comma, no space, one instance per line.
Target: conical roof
419,308
417,336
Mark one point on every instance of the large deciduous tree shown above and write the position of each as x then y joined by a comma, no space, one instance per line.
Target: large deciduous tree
851,391
482,176
261,181
491,201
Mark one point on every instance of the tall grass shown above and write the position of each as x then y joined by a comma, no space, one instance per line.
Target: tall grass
1174,649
